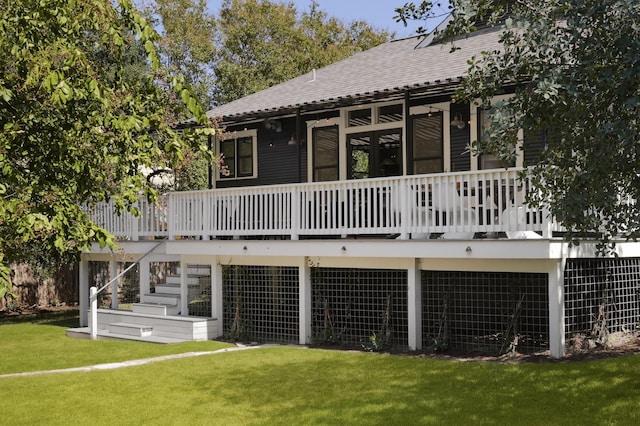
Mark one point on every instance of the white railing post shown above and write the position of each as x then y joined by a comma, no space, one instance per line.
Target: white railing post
135,224
547,224
113,273
206,216
404,209
93,318
172,216
295,214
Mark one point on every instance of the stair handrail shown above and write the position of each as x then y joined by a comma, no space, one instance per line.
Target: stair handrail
94,291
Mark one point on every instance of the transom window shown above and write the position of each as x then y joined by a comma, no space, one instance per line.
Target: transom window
359,117
389,113
238,150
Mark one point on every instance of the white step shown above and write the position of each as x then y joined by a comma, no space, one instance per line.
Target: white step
175,279
168,288
162,298
197,270
131,329
84,333
156,309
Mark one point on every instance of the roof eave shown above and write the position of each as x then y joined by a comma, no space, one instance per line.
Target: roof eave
426,89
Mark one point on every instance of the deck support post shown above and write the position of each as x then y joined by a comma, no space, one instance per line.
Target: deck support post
414,310
145,279
556,309
184,288
305,301
93,321
217,305
113,272
83,290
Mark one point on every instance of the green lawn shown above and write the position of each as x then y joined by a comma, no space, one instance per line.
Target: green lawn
291,386
32,345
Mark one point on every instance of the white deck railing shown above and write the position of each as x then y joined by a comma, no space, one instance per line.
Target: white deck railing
453,204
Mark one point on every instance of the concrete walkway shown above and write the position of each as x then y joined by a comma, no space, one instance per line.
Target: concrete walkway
132,363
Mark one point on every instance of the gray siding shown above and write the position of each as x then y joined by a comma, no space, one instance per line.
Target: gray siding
277,160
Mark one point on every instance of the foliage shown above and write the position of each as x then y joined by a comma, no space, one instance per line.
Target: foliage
426,11
327,332
187,46
193,172
262,43
5,277
73,132
381,341
251,45
575,69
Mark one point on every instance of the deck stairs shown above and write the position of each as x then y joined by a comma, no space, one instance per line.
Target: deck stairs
158,318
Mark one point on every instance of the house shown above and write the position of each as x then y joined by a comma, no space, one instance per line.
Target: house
352,213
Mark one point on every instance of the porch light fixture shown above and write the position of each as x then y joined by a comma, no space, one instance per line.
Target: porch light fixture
458,122
273,125
292,141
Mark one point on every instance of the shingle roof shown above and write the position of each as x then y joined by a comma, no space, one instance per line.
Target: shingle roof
388,68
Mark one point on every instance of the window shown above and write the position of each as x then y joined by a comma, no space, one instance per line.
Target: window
379,114
427,146
488,161
359,117
325,154
390,113
238,150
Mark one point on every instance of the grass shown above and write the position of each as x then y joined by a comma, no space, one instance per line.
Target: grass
288,385
39,343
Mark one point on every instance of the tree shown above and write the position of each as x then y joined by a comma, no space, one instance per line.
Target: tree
187,47
263,43
327,39
73,133
575,66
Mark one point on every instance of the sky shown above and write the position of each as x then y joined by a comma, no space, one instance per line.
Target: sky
378,13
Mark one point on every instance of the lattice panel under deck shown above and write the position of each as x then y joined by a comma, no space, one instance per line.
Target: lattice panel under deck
360,307
485,312
261,303
601,296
